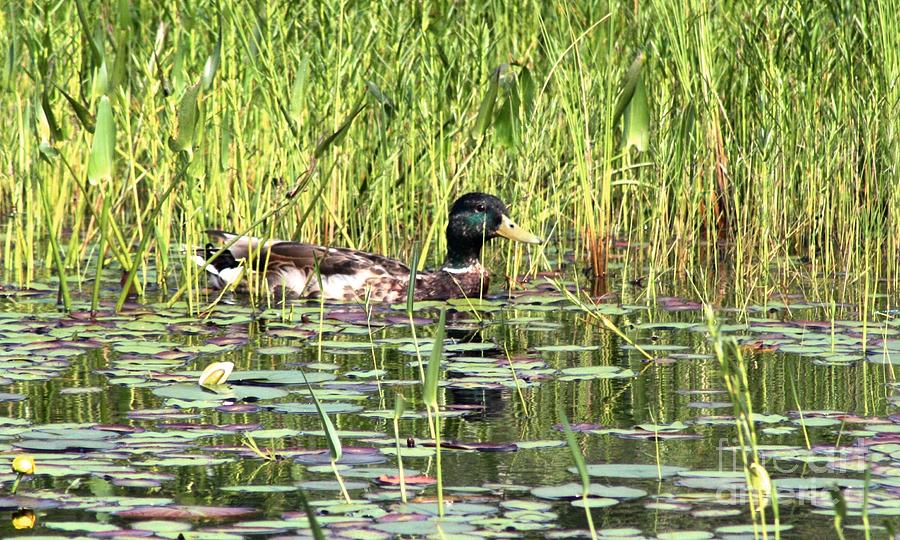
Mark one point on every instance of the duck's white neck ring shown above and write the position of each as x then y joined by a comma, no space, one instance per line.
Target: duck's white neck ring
472,268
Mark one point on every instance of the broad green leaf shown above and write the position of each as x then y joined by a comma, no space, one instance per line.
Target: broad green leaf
42,122
629,83
637,119
100,166
515,109
298,89
489,101
100,84
188,119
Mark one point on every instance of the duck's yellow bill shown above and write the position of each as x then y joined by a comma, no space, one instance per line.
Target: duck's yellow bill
509,229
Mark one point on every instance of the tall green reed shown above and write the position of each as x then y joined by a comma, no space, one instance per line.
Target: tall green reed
770,132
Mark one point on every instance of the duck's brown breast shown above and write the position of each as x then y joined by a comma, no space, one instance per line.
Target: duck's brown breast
442,285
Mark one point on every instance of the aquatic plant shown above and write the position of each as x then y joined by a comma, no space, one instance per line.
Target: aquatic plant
684,130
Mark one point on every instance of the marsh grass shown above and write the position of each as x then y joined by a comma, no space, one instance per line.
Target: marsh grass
760,488
725,139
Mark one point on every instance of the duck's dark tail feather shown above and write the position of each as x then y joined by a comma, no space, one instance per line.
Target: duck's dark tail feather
223,261
225,268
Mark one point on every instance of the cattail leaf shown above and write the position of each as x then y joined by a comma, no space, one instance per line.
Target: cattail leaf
433,371
629,83
636,131
489,101
336,137
331,436
188,118
100,166
84,115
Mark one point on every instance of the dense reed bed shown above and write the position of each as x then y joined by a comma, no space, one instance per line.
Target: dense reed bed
724,139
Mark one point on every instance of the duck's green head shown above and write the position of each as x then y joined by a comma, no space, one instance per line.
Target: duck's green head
474,219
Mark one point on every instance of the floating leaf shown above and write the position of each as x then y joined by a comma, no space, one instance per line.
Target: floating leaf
617,470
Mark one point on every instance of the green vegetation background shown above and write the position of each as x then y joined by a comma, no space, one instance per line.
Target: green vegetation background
770,125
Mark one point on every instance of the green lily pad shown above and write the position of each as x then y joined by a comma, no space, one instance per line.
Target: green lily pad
195,392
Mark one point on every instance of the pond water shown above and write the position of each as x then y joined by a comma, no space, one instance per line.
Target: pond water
127,443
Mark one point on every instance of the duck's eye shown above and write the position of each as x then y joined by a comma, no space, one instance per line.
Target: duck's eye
480,208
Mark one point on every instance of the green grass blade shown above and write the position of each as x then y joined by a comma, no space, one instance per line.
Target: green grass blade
101,253
314,526
433,371
386,103
96,52
582,468
339,133
57,255
575,450
331,436
123,48
411,288
81,112
145,241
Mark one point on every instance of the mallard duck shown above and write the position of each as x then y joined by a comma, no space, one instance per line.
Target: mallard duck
349,274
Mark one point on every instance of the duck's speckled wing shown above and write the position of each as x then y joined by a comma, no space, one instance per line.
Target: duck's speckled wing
346,274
